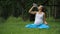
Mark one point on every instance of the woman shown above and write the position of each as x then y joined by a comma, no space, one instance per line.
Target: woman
40,19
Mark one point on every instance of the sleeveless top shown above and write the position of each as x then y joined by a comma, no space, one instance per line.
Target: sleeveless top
38,18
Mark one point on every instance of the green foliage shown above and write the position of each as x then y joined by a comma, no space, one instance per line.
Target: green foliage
12,6
20,7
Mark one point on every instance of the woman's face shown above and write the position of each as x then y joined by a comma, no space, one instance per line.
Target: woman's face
40,7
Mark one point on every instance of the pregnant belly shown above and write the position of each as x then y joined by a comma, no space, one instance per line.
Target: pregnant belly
38,22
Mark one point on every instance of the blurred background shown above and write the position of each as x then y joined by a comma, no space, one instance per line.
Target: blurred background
14,16
19,8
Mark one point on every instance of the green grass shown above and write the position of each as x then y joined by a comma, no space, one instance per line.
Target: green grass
16,26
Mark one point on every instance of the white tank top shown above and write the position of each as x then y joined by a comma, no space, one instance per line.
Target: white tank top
38,18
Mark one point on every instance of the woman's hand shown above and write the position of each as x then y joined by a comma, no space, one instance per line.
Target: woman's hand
44,19
45,22
32,12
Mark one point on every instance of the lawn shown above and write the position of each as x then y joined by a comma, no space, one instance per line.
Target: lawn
16,26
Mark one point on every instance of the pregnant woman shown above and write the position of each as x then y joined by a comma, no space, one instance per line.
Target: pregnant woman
40,20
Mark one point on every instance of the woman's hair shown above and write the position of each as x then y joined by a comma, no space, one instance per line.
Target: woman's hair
44,10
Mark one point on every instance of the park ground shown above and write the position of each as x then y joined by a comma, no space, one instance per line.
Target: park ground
17,26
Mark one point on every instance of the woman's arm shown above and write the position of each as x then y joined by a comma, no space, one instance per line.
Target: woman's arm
44,19
32,12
